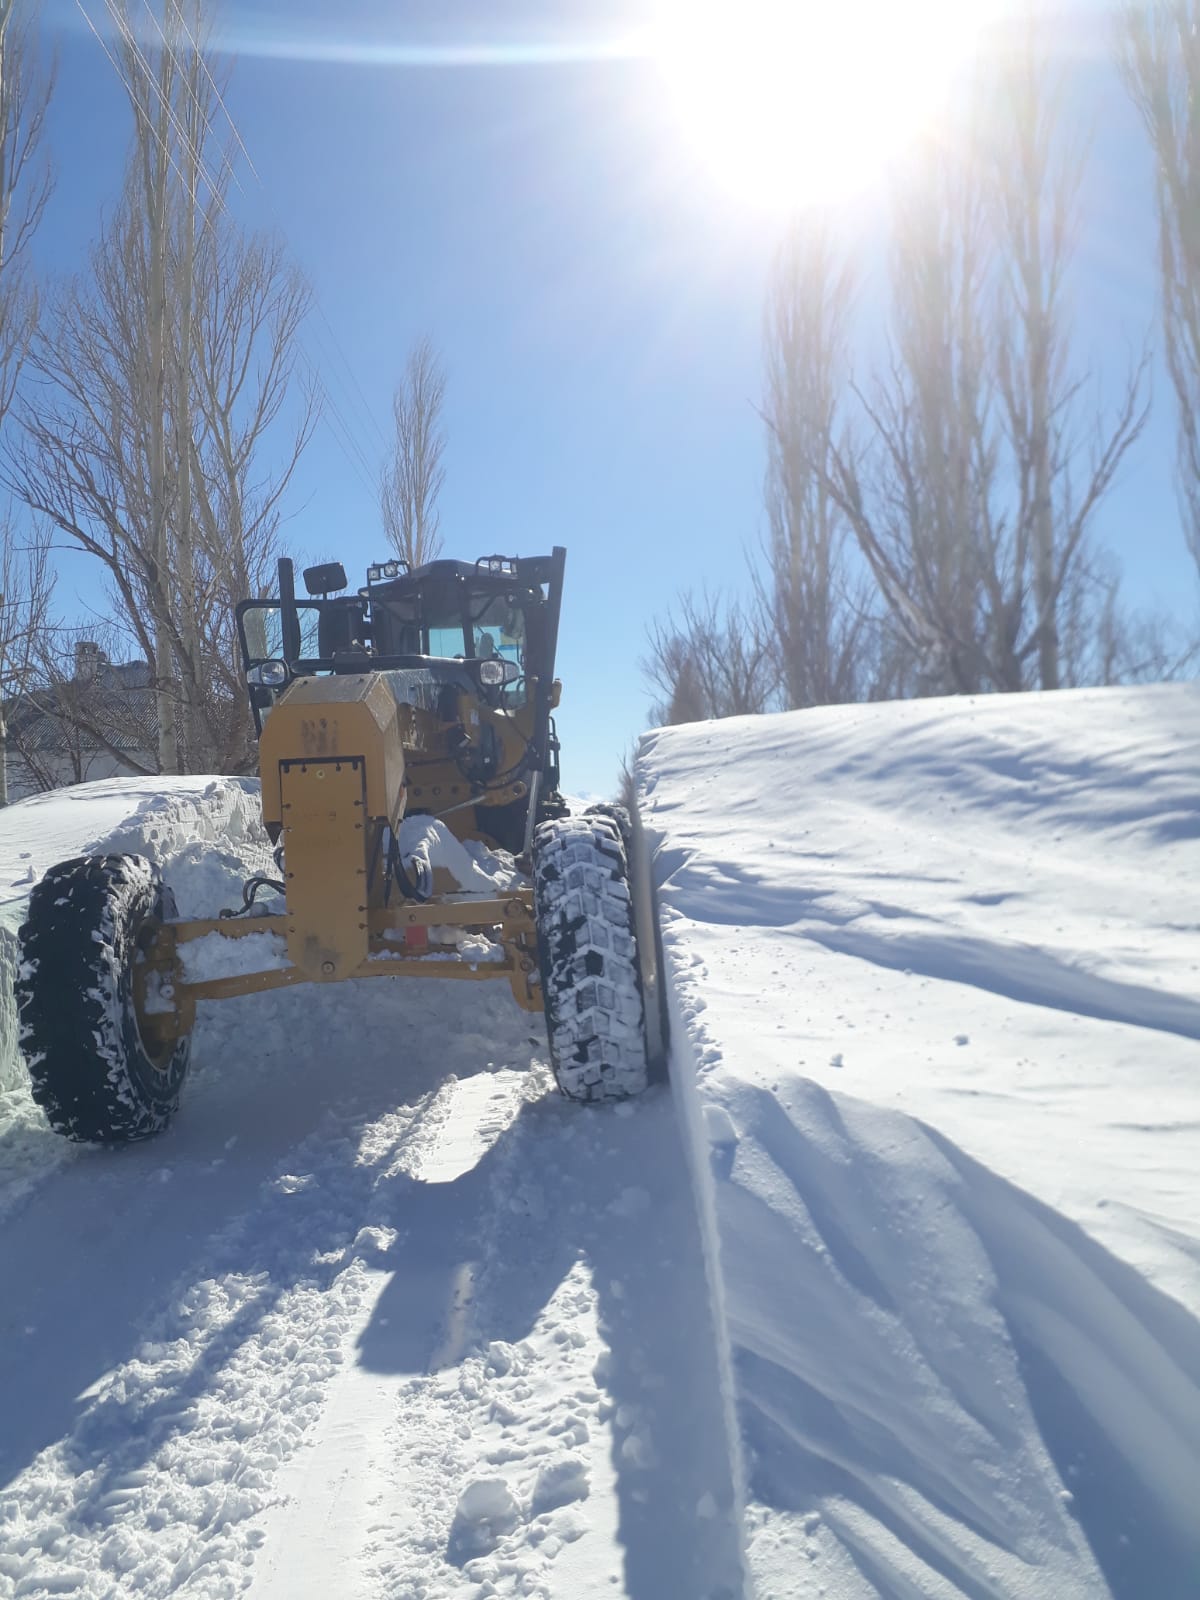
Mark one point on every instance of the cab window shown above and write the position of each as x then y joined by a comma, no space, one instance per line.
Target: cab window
499,630
446,638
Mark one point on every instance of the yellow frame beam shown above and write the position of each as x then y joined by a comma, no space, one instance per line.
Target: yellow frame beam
514,912
509,918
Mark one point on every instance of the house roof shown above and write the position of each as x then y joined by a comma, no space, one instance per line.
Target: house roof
118,700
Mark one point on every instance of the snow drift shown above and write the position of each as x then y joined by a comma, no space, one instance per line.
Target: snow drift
933,974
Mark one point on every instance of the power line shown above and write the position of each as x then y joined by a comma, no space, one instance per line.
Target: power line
226,160
125,84
212,84
345,360
193,151
345,435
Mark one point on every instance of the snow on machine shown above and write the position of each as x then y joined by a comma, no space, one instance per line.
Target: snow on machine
410,786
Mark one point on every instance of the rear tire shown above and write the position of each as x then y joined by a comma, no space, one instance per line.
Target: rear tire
90,1069
587,952
618,815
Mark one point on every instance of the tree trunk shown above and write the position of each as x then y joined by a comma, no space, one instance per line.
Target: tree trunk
154,157
196,744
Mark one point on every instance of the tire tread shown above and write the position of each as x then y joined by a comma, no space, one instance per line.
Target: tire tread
588,957
88,1068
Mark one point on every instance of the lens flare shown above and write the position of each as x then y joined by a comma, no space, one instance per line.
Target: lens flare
795,100
246,33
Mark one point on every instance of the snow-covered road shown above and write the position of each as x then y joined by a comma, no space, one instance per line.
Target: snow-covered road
893,1294
380,1316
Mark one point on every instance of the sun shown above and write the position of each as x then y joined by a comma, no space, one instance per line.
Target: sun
793,101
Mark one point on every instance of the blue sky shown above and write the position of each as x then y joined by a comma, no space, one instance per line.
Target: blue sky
595,293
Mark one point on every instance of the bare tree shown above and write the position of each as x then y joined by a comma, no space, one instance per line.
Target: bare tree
25,185
1160,63
1065,465
165,372
26,587
412,479
708,660
626,794
1103,641
822,613
974,494
916,474
250,307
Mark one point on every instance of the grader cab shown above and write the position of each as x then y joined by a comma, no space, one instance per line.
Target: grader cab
409,767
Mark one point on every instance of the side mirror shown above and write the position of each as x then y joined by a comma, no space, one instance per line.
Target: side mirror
327,579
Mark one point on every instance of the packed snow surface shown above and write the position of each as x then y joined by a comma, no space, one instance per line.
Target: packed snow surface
380,1316
933,975
891,1294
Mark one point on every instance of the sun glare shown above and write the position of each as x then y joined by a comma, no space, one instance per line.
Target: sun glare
792,101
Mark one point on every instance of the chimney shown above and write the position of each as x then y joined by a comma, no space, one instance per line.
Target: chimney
89,658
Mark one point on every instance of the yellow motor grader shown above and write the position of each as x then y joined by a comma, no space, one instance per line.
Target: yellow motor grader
410,787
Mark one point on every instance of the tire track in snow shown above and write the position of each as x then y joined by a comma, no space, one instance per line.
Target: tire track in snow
541,1346
514,1283
154,1488
319,1538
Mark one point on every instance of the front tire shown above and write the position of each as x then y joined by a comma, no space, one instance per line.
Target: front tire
96,1077
587,953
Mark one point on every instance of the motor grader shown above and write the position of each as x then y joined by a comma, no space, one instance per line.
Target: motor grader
401,728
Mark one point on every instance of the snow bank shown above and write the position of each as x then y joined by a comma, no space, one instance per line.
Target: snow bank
932,973
159,818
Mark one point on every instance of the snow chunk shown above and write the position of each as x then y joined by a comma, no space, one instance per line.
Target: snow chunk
373,1241
504,1358
216,956
294,1182
487,1510
477,949
425,843
559,1483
